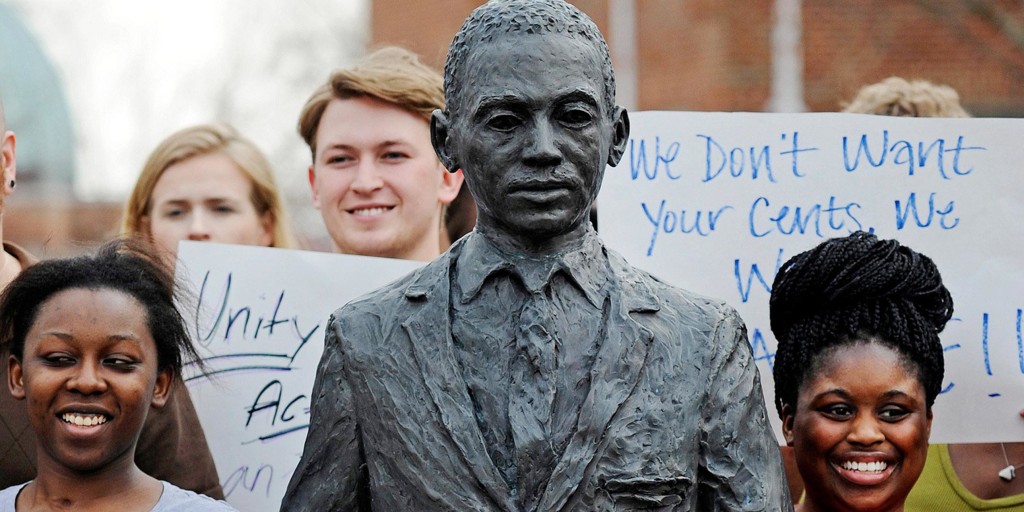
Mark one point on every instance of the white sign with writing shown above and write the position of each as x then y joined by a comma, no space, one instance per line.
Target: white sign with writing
258,318
717,202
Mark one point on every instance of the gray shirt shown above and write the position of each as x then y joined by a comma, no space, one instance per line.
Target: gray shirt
173,499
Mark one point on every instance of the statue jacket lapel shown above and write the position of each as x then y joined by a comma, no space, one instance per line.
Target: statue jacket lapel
613,378
435,356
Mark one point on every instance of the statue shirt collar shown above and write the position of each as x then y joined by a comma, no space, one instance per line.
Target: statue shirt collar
585,264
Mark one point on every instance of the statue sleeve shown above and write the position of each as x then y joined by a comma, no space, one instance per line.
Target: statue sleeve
740,465
331,474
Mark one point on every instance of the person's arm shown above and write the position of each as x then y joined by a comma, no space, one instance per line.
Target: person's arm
331,474
740,466
172,446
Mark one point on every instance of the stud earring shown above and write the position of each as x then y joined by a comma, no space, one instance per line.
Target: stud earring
12,183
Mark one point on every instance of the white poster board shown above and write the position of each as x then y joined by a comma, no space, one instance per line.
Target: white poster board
716,202
260,327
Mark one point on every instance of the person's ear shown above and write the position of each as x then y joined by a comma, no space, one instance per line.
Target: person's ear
451,183
787,424
441,140
312,187
8,162
162,390
15,378
620,135
267,223
929,430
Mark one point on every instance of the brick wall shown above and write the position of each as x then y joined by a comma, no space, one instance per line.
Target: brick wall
51,229
715,55
852,42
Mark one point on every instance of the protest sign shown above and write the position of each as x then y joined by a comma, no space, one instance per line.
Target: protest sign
717,202
258,317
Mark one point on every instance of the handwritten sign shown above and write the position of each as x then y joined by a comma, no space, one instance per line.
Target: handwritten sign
258,319
717,202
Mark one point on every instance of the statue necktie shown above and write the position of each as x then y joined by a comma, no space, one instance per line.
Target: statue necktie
531,395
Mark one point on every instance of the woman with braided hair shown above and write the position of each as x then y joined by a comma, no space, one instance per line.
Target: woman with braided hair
858,367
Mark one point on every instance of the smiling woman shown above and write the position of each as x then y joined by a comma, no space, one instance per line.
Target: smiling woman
95,344
858,367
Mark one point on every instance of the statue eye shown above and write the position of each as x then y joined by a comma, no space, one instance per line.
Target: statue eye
577,117
503,122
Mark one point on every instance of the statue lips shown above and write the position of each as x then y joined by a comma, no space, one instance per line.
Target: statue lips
542,191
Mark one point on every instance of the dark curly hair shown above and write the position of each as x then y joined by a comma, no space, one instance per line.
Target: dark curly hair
852,289
523,17
124,265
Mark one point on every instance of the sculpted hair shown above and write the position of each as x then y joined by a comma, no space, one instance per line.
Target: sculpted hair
498,17
124,265
852,289
203,140
391,74
895,96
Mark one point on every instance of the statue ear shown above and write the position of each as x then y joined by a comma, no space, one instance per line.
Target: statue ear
439,124
620,135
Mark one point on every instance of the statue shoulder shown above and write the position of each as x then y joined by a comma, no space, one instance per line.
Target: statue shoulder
674,303
395,299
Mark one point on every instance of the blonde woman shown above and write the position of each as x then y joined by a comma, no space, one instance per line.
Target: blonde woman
207,183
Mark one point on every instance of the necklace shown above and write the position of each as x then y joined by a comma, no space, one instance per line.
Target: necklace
1010,471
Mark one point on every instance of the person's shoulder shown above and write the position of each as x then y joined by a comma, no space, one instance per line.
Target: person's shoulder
177,499
671,298
411,287
9,495
24,257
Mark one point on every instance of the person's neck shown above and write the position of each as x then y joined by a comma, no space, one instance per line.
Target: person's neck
423,252
533,247
59,488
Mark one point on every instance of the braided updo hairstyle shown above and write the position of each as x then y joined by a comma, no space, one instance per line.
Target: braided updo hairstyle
852,289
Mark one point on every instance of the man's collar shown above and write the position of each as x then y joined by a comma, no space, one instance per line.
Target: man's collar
585,264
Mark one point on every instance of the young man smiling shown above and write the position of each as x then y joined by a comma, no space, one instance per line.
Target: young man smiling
375,178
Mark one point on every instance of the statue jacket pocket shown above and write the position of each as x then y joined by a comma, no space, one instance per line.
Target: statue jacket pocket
644,493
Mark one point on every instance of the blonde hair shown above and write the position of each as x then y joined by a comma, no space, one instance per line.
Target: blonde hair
201,140
391,74
895,96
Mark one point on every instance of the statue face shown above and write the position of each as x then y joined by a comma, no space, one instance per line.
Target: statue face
531,133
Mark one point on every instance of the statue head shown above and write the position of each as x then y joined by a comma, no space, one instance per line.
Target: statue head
530,118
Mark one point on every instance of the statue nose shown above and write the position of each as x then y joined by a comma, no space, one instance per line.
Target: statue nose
542,150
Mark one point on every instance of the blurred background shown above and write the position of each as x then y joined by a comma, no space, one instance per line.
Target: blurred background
91,87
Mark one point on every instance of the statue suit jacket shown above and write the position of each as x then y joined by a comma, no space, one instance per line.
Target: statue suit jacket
674,420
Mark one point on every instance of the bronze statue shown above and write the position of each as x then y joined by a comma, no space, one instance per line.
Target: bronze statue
529,367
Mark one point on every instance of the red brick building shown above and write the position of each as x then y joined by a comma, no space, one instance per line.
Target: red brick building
715,55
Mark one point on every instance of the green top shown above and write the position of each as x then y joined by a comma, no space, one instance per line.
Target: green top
939,488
